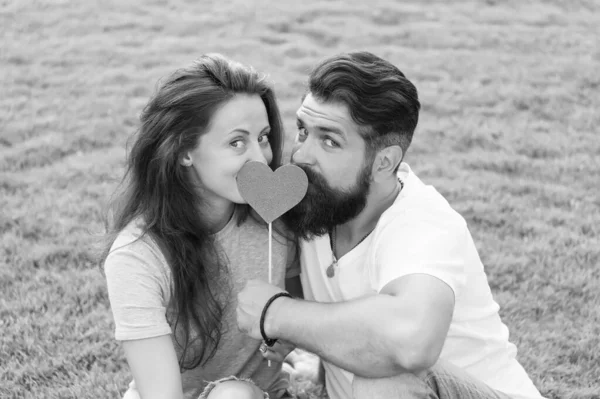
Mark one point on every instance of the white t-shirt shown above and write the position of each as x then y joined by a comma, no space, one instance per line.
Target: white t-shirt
421,233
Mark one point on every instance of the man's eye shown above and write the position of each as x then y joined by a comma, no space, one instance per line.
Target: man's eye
330,143
302,134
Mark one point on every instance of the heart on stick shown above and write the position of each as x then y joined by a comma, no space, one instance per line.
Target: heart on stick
271,194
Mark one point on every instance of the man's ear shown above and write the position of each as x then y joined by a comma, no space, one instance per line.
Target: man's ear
387,160
186,159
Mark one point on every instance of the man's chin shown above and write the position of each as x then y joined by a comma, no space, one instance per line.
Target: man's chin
295,220
309,234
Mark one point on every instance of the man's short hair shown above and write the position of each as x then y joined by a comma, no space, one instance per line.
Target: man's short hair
381,100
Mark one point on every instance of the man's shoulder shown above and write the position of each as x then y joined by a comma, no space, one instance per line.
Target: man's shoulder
420,206
419,226
433,208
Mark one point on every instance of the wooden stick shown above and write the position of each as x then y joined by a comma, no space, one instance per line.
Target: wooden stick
270,265
270,254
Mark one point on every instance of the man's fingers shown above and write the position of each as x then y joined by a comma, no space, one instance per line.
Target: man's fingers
239,319
239,314
273,356
271,353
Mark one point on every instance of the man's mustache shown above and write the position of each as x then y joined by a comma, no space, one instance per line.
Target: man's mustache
314,178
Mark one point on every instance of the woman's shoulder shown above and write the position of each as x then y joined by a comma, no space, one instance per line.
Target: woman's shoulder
135,247
134,237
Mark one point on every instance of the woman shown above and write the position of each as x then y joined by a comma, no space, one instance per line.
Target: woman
183,241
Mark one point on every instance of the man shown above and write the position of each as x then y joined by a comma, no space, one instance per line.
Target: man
390,273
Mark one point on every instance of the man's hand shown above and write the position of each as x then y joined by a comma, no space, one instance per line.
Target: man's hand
251,301
279,352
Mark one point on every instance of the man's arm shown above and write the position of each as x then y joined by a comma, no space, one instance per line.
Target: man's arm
401,329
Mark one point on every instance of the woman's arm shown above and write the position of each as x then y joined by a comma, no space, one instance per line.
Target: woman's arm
154,366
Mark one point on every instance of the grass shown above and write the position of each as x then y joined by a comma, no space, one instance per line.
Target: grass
508,133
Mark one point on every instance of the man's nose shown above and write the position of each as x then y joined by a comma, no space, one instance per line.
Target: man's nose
302,153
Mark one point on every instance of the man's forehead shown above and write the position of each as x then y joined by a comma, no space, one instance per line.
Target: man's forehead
331,110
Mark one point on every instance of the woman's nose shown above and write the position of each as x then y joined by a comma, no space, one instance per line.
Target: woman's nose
258,154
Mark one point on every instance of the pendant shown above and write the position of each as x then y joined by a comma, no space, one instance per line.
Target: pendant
331,269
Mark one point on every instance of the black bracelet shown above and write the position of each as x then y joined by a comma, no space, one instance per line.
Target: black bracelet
269,342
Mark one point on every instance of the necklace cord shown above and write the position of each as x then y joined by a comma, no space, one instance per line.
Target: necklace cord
332,241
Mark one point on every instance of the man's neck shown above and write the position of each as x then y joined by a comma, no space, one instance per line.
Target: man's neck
380,198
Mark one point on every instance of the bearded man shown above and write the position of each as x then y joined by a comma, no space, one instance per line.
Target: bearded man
396,299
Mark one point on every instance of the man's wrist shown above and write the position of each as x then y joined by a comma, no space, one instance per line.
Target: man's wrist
273,316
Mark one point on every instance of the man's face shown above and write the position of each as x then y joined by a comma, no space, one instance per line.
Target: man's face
331,151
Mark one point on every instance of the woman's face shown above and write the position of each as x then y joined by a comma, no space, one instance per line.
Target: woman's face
238,133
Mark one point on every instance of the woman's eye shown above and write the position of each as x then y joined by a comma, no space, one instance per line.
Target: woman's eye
263,139
237,143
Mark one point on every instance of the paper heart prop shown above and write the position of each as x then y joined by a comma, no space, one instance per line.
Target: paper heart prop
272,194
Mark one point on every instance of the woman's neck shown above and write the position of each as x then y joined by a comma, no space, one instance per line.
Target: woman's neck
217,214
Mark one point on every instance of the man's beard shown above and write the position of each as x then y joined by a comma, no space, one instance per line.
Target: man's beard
324,207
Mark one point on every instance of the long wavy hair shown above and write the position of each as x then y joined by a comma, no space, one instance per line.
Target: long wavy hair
157,190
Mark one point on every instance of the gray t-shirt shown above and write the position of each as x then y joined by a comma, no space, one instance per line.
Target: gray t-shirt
139,288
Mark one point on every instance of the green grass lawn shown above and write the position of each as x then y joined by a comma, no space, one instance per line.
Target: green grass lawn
508,133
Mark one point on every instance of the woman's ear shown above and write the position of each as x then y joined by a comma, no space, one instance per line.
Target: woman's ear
186,159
